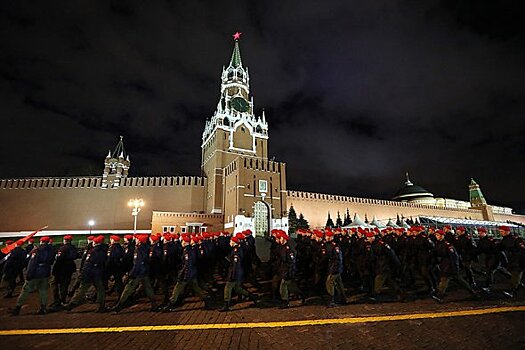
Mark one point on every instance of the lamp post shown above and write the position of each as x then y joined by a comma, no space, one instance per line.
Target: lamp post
91,223
135,205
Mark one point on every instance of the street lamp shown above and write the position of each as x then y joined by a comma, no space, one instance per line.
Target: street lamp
136,205
91,223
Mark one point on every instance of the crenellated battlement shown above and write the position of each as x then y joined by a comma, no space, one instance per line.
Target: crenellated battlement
369,201
46,183
254,164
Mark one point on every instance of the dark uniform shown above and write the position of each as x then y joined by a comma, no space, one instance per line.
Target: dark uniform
514,249
334,282
37,277
425,248
78,280
139,274
115,267
62,271
235,277
387,266
13,266
288,260
187,277
92,274
491,258
448,264
467,251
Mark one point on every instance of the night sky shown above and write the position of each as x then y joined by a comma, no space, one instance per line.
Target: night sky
356,93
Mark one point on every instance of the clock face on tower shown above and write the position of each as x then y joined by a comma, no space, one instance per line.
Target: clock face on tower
240,104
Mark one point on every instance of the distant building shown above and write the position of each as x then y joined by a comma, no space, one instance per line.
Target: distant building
242,188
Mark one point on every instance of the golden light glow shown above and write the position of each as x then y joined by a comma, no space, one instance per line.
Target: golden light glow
136,203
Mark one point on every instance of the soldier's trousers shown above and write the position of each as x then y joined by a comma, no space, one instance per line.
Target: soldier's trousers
10,284
132,285
80,295
237,287
287,287
334,282
380,280
428,276
444,281
181,286
42,284
60,286
515,279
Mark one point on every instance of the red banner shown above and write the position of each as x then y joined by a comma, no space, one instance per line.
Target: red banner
12,246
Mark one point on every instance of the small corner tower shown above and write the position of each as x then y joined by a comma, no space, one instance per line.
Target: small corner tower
476,197
477,201
116,166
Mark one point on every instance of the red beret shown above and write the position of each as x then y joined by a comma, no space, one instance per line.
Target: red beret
68,237
154,238
460,228
186,238
439,232
90,237
235,239
285,236
504,228
247,232
329,233
167,236
369,234
31,240
175,236
128,237
44,239
239,235
482,229
142,238
115,238
99,239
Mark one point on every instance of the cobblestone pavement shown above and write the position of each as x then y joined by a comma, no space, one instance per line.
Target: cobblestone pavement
490,331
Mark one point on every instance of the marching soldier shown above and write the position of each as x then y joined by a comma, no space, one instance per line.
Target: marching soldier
37,278
115,267
235,275
92,274
467,251
448,264
187,276
139,274
387,265
287,262
85,252
63,270
334,282
13,265
514,249
491,256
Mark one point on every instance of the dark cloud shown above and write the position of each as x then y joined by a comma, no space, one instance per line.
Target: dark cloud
355,92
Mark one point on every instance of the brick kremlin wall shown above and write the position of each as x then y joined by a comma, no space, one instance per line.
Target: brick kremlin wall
316,206
69,203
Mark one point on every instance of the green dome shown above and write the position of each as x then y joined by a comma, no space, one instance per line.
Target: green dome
411,192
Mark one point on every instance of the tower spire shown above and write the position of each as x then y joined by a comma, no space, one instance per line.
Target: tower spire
236,55
408,182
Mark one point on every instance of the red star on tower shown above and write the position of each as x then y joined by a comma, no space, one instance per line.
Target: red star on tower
237,36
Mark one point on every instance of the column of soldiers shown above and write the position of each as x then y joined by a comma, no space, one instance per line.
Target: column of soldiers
316,263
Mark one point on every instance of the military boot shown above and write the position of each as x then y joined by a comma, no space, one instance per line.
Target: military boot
15,311
226,307
285,304
154,307
253,298
42,310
